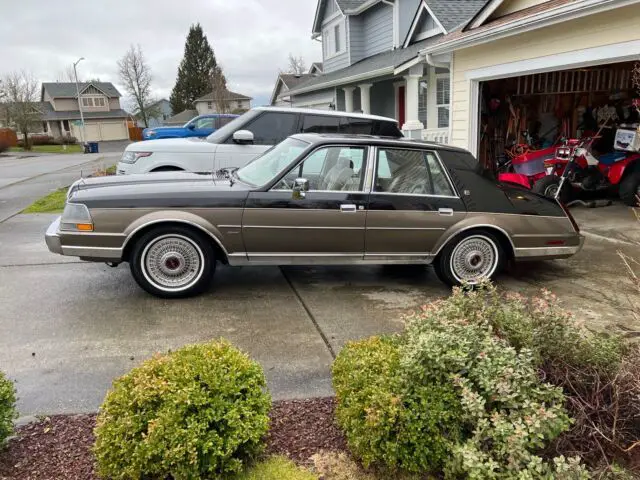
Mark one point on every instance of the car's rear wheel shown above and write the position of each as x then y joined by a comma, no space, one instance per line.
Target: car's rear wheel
173,262
470,258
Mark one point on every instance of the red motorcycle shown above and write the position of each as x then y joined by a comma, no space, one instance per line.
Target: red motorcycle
577,166
527,168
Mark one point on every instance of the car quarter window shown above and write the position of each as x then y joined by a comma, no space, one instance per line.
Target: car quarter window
417,172
271,128
204,123
320,124
336,168
356,126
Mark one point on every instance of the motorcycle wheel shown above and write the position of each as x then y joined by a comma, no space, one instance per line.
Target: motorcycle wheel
548,186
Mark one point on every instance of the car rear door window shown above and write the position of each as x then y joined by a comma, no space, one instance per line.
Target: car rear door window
271,128
411,172
320,124
356,126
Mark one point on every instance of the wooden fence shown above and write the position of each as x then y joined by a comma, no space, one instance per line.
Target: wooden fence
8,137
135,134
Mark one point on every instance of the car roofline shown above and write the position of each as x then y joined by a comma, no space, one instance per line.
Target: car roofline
329,113
328,138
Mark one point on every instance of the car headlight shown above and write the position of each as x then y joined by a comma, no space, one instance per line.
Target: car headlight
132,157
76,218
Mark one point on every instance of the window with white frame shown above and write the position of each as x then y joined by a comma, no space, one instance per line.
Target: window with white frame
334,39
443,98
209,105
90,102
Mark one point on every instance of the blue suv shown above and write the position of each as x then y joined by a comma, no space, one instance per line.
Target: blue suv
201,126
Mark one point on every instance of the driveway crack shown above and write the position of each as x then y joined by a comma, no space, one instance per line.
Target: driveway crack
306,308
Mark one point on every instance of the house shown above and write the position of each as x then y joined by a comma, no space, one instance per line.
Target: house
547,67
287,81
371,61
100,102
161,111
235,103
181,118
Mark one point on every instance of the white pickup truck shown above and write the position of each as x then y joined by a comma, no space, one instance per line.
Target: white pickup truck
245,138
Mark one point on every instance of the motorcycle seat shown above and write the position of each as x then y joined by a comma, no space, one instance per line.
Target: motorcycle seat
611,158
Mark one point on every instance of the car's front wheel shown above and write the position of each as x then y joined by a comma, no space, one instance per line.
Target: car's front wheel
173,262
470,258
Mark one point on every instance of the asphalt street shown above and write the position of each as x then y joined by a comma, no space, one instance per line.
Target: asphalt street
68,328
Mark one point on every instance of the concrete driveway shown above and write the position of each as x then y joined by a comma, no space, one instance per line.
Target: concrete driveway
68,328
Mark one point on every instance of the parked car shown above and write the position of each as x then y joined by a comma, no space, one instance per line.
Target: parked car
200,127
314,199
245,138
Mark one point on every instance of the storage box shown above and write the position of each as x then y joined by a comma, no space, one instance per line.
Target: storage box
627,140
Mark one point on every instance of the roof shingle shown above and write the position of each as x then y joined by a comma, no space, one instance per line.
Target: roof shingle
229,96
68,89
455,13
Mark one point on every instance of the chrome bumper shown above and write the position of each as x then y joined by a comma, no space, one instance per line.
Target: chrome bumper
53,239
548,252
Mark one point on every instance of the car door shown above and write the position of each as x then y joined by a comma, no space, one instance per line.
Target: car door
269,128
412,204
326,224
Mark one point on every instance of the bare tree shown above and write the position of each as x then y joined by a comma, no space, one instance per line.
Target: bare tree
219,90
135,74
297,65
20,96
68,75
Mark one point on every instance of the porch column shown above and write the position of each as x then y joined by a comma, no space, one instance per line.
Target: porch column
365,97
413,127
348,98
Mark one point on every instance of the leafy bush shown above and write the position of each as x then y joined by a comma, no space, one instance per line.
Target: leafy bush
41,140
66,140
388,419
451,396
7,408
199,412
276,468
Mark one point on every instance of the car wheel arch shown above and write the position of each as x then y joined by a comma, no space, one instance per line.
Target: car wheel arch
167,168
139,228
501,234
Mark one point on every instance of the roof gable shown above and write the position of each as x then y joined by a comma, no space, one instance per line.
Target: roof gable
229,95
454,14
68,89
424,25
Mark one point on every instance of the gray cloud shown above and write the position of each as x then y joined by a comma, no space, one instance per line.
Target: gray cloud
251,38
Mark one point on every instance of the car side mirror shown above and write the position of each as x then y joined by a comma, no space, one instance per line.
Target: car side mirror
191,126
300,188
243,137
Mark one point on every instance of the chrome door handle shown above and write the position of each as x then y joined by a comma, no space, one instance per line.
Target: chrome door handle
447,212
348,208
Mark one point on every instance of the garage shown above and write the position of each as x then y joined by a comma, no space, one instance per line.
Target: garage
534,113
101,131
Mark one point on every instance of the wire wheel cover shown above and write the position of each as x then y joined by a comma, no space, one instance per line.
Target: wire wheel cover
172,262
474,259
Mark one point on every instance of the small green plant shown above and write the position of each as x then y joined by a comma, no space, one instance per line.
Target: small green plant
276,468
7,408
51,203
199,412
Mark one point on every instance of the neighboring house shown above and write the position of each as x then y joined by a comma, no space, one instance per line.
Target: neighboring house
181,118
548,56
371,61
235,103
288,81
104,118
161,111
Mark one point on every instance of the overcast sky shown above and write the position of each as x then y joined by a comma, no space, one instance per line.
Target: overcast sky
250,38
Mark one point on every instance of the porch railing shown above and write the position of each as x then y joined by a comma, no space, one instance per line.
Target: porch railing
438,135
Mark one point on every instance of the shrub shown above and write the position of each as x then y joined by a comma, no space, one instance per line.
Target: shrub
66,140
388,420
41,140
276,468
7,408
198,412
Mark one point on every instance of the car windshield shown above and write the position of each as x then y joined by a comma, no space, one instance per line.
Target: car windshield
272,162
225,132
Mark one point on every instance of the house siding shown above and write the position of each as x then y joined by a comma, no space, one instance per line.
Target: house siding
606,28
320,99
377,29
114,103
356,38
407,12
66,105
339,61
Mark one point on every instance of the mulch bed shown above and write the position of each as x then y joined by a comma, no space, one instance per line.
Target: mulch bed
59,447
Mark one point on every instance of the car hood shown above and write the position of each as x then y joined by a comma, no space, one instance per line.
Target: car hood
173,145
156,190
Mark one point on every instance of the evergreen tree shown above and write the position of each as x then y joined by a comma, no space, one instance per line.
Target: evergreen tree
195,71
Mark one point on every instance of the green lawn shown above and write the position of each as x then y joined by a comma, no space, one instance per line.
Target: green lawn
52,203
50,149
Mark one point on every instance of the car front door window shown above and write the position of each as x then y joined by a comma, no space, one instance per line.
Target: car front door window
335,169
204,123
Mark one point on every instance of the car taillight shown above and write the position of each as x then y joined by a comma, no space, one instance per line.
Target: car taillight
570,217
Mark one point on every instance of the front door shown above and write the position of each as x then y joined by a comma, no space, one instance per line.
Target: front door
412,204
402,98
326,224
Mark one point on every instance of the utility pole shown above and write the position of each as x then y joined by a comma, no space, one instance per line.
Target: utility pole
75,72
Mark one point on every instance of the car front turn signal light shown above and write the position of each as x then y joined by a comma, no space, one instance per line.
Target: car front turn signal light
76,218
